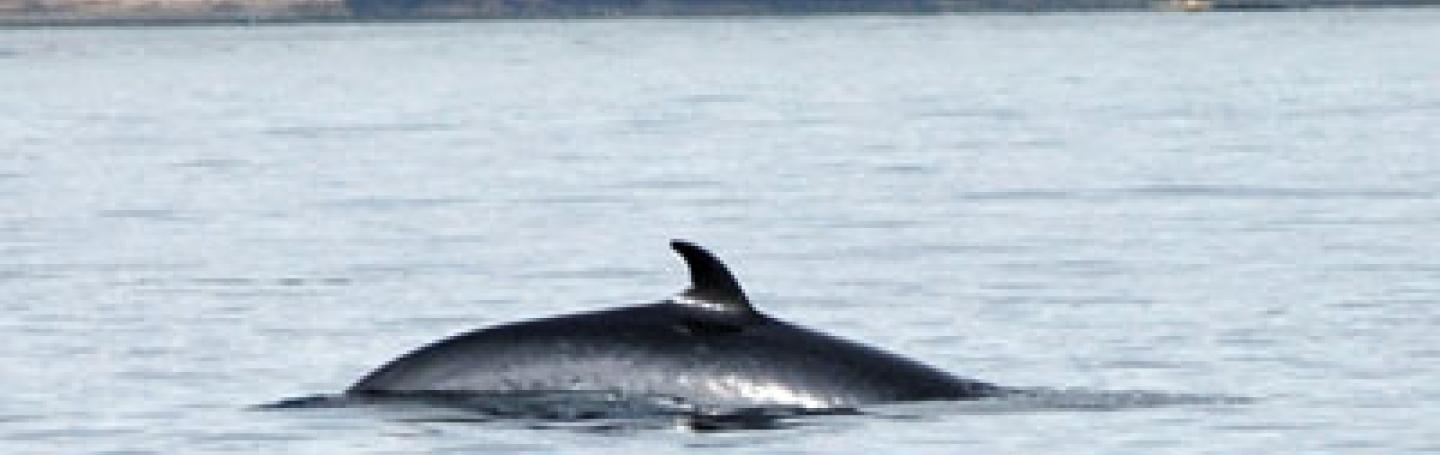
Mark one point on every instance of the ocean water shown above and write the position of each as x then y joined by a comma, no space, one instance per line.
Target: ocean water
199,220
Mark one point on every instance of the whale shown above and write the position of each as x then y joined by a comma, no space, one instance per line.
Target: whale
706,346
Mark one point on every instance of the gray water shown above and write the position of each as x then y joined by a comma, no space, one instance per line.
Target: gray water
199,220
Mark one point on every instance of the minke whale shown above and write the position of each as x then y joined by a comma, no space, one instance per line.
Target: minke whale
706,346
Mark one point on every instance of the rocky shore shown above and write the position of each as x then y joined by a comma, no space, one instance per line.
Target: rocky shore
145,12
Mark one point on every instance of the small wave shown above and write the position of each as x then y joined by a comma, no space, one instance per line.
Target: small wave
613,411
574,410
1046,399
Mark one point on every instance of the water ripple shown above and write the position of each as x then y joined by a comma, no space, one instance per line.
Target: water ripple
1221,192
1256,192
319,131
396,203
142,214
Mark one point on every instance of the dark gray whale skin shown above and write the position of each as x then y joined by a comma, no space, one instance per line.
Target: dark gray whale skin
705,346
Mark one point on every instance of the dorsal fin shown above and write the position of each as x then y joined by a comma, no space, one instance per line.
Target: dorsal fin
712,287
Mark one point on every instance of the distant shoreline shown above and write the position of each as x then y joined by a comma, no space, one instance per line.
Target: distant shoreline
70,20
58,20
61,21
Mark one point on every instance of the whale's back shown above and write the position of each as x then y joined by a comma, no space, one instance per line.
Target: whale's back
660,350
705,346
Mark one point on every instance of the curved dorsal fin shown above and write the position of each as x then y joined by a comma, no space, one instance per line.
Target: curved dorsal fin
712,287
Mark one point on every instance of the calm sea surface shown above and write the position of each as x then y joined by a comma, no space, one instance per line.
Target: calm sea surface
197,220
